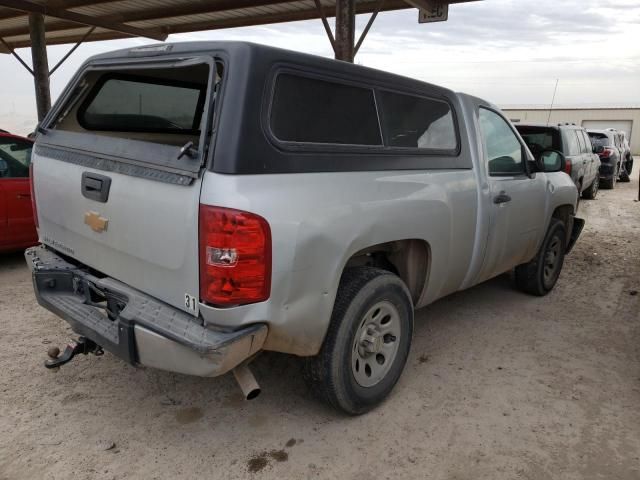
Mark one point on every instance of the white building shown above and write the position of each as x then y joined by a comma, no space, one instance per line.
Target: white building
626,119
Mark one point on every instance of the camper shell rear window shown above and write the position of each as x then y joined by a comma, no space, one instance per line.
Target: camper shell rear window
135,103
139,118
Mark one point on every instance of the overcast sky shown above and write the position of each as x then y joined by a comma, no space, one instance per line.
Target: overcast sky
507,51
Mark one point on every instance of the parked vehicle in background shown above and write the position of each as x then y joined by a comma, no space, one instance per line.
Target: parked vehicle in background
618,138
606,144
224,198
17,227
627,156
581,163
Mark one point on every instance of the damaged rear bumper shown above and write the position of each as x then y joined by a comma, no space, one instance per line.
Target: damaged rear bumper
133,326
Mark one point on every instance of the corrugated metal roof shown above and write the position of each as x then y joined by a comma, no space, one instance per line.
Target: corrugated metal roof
158,18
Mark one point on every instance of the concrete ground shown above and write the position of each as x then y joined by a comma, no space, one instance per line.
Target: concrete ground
499,385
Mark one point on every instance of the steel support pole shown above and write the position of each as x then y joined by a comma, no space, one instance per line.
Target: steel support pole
345,30
40,64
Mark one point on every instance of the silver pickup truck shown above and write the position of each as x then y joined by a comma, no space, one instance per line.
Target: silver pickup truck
199,203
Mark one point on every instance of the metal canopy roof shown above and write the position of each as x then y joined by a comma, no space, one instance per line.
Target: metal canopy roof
68,21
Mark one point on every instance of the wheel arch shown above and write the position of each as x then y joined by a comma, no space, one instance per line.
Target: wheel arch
410,259
565,214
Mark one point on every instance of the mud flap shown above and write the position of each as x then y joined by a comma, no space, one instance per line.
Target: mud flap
576,230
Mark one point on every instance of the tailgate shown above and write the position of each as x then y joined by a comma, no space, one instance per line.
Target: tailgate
117,172
145,234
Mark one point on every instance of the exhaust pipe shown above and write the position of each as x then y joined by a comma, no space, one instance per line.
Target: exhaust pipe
246,381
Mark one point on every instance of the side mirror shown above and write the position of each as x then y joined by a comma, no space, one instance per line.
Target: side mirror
4,168
551,161
598,149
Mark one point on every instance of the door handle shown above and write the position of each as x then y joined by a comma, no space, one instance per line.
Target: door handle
23,195
502,197
95,187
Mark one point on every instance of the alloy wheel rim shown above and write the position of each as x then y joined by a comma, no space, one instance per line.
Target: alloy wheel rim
376,344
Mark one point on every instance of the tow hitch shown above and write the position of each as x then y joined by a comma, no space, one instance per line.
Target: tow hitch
81,346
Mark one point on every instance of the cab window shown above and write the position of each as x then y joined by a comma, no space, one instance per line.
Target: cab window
310,110
581,144
504,150
572,146
587,142
15,156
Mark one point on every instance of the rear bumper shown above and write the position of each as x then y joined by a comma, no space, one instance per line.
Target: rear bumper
133,326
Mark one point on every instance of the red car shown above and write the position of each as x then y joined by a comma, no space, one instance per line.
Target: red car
17,226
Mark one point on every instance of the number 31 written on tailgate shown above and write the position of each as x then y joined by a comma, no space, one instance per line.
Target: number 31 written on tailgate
191,303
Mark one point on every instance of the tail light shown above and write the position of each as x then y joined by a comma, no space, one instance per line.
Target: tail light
33,196
235,257
606,153
567,166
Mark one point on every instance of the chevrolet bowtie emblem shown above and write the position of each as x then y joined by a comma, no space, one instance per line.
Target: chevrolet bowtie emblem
95,221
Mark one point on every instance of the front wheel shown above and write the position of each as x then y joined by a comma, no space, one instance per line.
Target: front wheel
367,343
539,276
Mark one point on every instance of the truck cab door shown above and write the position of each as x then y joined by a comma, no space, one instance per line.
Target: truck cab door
17,224
515,199
589,159
4,233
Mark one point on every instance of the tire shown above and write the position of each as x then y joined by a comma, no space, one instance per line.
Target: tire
539,276
610,183
629,167
367,343
624,175
607,184
591,192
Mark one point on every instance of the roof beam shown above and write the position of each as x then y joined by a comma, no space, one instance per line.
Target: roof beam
157,13
66,4
94,37
309,14
31,7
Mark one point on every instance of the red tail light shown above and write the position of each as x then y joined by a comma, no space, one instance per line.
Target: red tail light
235,256
606,153
567,166
33,196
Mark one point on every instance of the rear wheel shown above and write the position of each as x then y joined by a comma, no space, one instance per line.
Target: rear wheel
624,174
591,192
539,276
367,343
608,183
629,166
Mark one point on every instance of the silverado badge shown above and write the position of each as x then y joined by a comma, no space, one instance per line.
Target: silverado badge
95,221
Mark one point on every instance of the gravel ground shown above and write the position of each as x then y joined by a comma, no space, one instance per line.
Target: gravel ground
499,385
